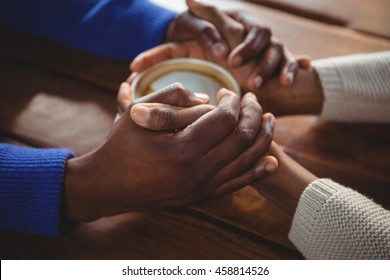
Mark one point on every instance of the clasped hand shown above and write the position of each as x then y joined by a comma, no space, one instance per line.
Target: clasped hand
199,150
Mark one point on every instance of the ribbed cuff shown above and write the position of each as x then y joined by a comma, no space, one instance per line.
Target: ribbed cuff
31,182
335,222
355,87
309,208
332,86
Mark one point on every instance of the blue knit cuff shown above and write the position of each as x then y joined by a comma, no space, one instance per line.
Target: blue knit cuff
31,181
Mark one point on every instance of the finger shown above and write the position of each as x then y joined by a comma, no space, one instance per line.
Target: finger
248,163
241,138
268,64
176,95
158,54
264,167
255,41
304,61
232,31
123,97
167,51
131,77
214,126
250,48
162,117
290,69
187,26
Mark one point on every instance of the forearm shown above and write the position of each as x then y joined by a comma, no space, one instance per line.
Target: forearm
328,221
305,96
115,29
356,87
346,89
31,184
285,186
335,222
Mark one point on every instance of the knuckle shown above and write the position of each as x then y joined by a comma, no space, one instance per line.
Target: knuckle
180,91
178,88
266,31
278,46
256,107
236,29
206,31
245,137
228,116
268,65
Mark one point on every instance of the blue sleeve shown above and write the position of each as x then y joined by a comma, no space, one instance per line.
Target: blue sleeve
118,29
31,181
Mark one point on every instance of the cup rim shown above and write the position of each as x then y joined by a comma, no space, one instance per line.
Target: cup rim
200,66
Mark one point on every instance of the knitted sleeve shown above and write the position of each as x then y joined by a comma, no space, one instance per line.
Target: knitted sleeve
119,29
31,183
356,88
335,222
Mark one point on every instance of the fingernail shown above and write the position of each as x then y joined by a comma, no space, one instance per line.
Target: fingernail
237,61
219,50
289,78
124,87
264,168
247,99
140,114
257,81
270,168
272,122
203,97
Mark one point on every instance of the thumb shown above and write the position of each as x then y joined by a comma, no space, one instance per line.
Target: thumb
162,117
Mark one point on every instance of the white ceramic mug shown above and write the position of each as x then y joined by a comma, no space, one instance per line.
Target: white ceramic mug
197,75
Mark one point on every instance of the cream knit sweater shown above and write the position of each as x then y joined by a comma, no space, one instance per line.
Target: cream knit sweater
333,221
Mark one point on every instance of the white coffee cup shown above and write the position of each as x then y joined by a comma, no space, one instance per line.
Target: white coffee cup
197,75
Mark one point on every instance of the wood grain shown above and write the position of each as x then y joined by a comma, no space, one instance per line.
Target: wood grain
366,16
53,96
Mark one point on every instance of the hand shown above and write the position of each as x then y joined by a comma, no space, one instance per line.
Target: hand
252,43
285,186
137,168
199,24
255,56
304,97
188,27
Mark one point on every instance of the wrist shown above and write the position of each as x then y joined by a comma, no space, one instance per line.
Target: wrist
169,32
286,185
77,183
305,96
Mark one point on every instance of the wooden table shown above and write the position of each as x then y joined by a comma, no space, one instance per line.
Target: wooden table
52,96
368,16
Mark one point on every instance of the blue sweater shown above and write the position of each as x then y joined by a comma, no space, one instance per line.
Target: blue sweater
31,180
118,29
